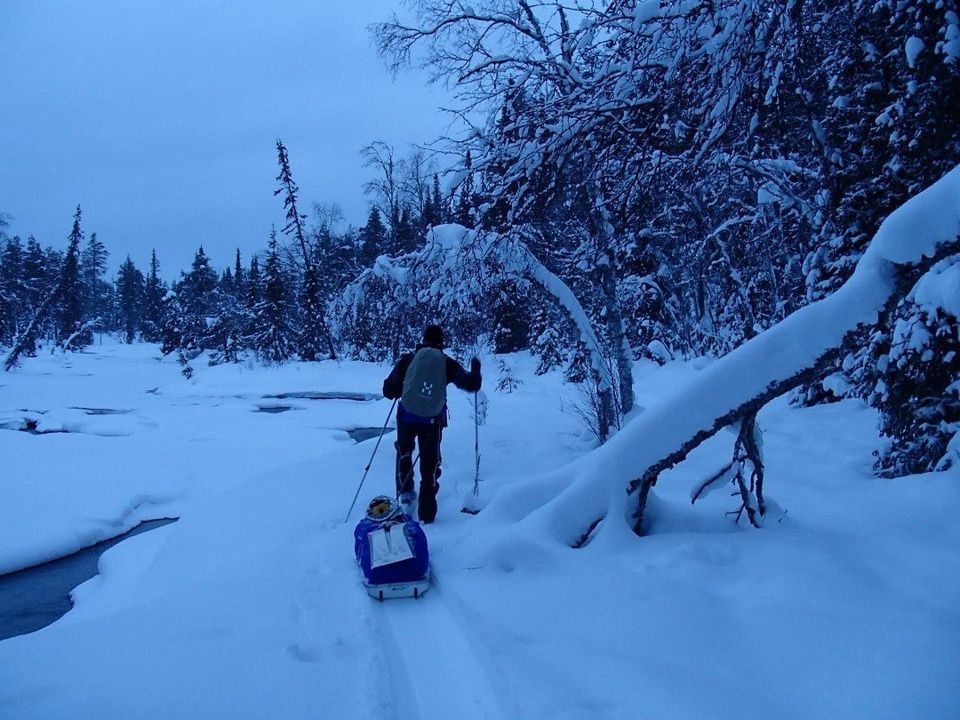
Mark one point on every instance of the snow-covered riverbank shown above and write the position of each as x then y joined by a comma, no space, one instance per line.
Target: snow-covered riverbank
250,606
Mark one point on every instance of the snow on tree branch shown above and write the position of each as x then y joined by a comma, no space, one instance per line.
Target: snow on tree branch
563,503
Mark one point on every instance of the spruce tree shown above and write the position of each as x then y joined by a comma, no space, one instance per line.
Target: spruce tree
195,302
273,338
290,191
251,301
227,284
373,237
35,274
130,299
441,214
463,213
405,235
239,281
13,290
254,283
225,334
511,325
151,328
314,334
72,331
197,286
96,291
38,281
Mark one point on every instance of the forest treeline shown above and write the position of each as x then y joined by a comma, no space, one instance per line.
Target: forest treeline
648,178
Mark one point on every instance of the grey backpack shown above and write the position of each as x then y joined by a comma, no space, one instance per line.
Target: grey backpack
425,384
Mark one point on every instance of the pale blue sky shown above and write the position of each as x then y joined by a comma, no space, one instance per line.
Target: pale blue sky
160,118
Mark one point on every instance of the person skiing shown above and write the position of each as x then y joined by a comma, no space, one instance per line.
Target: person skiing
420,380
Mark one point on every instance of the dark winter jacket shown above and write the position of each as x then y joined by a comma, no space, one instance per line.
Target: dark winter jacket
469,381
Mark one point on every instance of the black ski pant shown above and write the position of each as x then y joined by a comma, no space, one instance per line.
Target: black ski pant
427,438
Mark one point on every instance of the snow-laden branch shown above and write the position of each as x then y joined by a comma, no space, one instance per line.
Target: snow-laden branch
560,505
458,265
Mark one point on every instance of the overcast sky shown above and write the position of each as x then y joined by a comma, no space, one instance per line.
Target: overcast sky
160,118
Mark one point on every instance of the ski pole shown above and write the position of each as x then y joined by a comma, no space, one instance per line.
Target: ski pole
476,444
367,468
409,475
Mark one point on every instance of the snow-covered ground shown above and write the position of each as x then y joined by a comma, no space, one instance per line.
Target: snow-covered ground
844,606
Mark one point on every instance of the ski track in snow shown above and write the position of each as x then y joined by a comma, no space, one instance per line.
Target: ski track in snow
434,670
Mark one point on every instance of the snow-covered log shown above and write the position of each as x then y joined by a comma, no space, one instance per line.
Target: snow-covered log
562,504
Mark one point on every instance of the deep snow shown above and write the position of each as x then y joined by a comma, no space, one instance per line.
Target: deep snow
844,605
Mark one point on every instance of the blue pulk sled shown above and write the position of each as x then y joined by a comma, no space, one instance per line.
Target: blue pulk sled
392,551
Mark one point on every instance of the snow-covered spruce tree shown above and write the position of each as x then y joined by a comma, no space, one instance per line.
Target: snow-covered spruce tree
38,275
14,303
187,311
239,278
254,292
97,292
226,334
273,338
226,282
373,238
314,338
368,315
465,205
548,341
172,331
130,288
73,331
335,254
154,293
54,312
918,391
511,327
433,212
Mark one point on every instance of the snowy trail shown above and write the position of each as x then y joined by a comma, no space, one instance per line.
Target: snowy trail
434,670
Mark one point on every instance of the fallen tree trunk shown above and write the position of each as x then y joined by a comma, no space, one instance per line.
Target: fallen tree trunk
903,276
564,502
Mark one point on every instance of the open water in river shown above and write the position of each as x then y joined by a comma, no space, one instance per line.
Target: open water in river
36,596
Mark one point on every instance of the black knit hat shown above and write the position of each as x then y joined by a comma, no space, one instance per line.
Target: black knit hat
433,335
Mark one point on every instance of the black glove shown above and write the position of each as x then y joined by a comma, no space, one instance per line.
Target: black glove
474,366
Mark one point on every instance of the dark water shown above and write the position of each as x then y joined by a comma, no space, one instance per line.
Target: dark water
34,597
311,395
102,411
273,409
365,433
